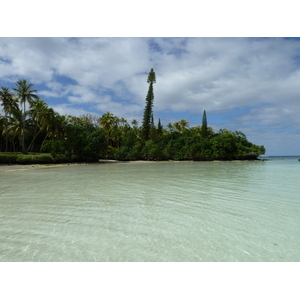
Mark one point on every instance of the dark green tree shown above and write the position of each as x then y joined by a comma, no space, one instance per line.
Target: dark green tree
159,128
204,125
148,114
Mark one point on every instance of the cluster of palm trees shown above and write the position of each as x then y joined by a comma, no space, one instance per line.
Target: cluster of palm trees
28,121
20,124
114,127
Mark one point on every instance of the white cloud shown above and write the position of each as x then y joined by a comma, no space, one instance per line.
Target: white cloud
216,74
223,74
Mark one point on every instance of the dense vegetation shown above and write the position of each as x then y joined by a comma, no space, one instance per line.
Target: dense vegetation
39,129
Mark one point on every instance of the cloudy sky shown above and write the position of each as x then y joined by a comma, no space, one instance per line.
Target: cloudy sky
246,84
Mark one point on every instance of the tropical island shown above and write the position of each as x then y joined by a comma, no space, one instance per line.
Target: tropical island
41,135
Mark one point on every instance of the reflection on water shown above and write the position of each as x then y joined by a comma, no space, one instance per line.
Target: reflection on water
165,211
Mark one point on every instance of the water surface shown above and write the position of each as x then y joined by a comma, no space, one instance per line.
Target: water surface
164,211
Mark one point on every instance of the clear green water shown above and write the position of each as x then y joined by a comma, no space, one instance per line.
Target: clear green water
165,211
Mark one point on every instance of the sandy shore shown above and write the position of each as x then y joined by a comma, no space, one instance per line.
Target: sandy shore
26,167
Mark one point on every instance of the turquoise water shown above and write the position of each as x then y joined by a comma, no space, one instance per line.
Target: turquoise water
164,211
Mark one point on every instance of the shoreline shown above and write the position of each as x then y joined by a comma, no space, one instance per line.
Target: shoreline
106,161
111,161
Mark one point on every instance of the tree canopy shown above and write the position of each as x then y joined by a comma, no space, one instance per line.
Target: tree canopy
90,137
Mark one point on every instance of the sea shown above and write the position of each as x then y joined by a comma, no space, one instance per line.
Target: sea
233,211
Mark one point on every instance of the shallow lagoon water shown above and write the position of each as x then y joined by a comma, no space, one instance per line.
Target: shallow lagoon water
160,211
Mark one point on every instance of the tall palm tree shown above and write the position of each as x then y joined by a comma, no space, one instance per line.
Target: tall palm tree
15,127
9,104
51,122
25,93
38,112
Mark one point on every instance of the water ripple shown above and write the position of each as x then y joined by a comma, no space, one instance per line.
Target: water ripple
152,212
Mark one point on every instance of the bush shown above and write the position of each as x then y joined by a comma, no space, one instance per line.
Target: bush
122,153
8,158
25,159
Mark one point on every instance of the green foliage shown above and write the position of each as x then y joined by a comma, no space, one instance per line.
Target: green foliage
69,138
204,131
84,142
122,153
25,93
148,114
151,77
24,159
129,139
152,151
8,158
53,146
159,129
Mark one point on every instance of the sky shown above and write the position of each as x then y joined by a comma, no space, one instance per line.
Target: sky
245,84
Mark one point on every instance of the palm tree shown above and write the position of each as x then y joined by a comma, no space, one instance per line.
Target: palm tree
38,112
115,135
183,124
125,127
108,121
51,122
170,127
15,127
9,104
25,93
134,123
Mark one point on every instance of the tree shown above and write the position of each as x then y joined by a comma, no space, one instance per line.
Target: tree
42,118
25,93
159,128
204,131
85,142
181,125
134,123
107,121
9,104
148,114
15,127
170,127
53,123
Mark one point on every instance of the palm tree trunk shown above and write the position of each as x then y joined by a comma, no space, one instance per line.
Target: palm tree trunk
43,143
23,135
6,135
30,148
